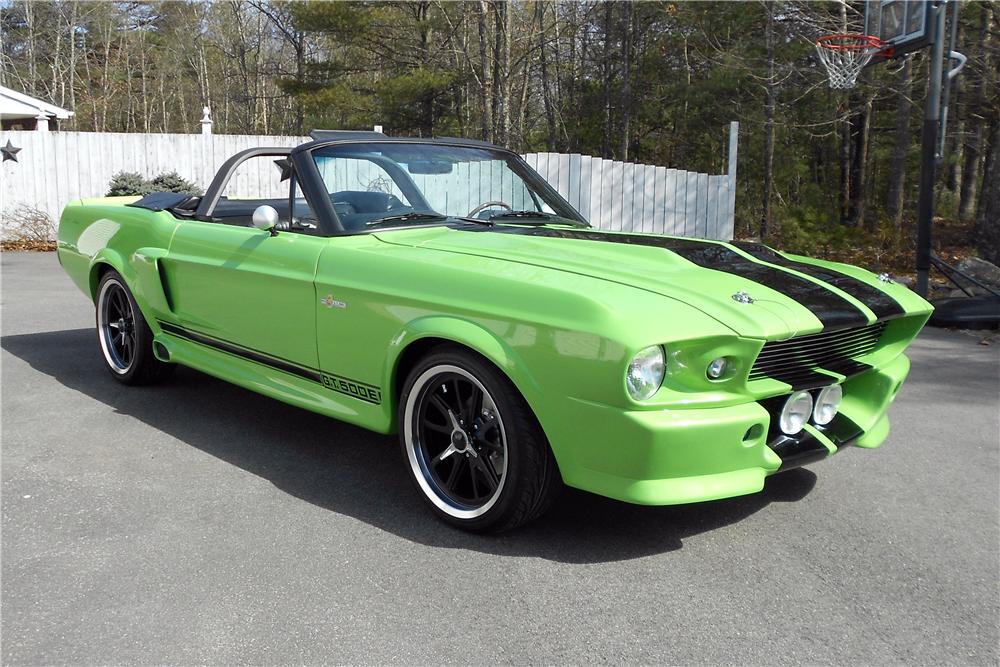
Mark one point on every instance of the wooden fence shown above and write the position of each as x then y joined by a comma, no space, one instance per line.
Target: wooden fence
53,168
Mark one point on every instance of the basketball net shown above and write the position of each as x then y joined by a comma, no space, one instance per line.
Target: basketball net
845,55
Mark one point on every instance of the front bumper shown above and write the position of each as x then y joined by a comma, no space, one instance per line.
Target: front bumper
667,457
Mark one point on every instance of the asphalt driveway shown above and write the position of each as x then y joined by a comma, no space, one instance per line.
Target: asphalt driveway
195,522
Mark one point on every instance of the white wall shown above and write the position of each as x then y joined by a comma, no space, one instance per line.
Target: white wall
53,168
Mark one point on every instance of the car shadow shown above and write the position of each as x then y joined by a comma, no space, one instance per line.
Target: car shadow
357,473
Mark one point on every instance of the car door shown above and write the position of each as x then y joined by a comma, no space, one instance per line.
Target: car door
233,284
243,286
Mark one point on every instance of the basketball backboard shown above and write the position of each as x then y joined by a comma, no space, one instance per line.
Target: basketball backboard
904,25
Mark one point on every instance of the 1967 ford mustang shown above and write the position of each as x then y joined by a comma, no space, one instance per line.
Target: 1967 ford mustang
441,289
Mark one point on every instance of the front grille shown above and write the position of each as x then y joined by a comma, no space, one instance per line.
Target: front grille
795,360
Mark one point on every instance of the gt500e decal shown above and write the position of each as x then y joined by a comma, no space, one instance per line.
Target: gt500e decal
359,390
365,392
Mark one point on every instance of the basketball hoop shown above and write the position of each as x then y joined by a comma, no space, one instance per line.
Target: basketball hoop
844,55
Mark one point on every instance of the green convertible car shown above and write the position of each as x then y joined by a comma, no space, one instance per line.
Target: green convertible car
442,289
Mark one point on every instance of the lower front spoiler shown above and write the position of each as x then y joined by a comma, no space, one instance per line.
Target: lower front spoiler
813,444
671,457
798,450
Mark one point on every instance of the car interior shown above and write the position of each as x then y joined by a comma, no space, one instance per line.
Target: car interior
354,208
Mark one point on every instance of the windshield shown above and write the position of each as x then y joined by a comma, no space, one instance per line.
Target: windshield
385,184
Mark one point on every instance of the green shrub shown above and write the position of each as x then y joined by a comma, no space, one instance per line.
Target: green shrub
128,183
172,182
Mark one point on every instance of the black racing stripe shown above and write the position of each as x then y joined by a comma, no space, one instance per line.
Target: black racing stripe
798,450
809,378
359,390
240,351
834,311
801,379
880,303
842,431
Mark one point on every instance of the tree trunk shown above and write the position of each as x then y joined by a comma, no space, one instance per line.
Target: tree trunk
72,122
974,135
953,143
572,80
970,168
845,139
606,74
300,78
769,104
988,224
625,103
557,82
859,161
427,101
901,144
29,19
550,115
501,72
486,74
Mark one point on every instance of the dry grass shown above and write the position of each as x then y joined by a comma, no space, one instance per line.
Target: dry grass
27,228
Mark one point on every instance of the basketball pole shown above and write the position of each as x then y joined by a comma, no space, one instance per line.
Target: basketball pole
928,153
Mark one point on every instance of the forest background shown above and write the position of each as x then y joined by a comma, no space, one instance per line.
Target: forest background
832,173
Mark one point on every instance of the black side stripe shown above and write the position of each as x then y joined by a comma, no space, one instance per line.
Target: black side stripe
360,390
833,310
240,351
880,303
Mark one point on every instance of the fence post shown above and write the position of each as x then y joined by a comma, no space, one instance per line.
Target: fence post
206,121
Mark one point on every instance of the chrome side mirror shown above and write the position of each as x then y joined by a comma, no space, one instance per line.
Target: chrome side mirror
265,217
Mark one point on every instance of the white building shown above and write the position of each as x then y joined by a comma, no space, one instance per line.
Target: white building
23,112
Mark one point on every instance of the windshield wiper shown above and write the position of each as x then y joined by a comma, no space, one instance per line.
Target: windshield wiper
535,218
405,217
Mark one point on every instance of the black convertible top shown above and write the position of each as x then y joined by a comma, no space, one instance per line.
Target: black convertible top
162,201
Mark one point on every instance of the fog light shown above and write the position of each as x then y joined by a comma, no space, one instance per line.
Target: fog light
717,368
827,404
796,411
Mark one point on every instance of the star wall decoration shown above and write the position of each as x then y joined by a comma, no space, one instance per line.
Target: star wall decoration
10,152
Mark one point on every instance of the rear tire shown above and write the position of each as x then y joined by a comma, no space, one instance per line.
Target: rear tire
125,339
474,450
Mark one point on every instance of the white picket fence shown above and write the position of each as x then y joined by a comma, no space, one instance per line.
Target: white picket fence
53,168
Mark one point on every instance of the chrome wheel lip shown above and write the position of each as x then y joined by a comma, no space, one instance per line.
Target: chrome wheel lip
415,456
106,332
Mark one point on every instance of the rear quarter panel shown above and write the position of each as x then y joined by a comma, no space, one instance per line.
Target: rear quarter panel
98,232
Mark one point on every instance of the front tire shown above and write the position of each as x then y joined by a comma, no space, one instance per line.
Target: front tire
125,339
472,446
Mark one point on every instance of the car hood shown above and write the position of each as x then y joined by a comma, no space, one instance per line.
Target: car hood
750,288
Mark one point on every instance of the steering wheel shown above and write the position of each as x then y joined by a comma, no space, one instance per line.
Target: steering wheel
483,207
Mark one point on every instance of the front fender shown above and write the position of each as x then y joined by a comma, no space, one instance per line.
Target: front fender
468,334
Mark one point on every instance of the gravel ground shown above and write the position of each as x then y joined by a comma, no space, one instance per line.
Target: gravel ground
195,522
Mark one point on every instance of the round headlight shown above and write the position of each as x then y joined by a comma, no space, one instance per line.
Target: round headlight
645,373
717,368
827,404
797,409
